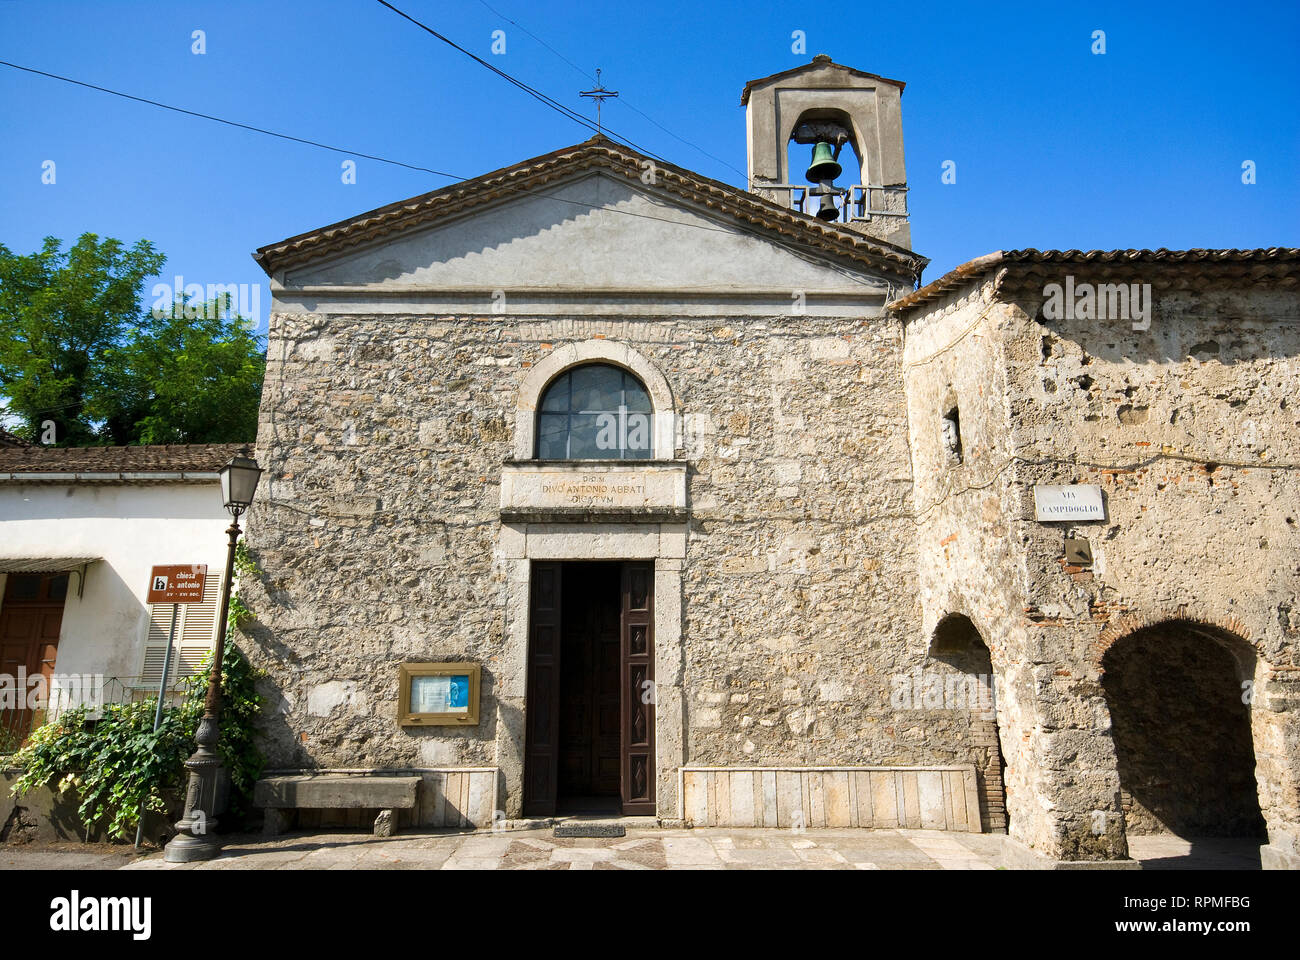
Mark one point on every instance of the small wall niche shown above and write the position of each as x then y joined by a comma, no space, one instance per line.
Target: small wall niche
950,428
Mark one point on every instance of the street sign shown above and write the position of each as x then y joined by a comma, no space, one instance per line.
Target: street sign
178,583
1072,501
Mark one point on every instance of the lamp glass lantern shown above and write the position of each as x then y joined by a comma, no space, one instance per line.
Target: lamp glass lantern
238,483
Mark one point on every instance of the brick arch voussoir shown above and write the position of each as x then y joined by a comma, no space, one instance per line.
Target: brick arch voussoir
1131,623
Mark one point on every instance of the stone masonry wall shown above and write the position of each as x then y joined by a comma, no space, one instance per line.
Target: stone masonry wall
971,559
379,533
1192,429
1190,426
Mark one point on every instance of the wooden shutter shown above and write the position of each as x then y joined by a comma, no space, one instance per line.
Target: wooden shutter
638,671
542,698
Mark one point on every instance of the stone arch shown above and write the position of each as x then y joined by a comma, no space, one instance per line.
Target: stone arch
836,115
958,642
1184,733
1132,622
594,351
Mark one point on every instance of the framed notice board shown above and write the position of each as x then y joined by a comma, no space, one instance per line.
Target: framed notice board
438,694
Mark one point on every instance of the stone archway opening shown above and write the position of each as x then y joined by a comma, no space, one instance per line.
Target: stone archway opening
957,643
1182,731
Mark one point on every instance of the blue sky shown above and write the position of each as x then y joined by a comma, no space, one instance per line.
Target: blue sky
1054,146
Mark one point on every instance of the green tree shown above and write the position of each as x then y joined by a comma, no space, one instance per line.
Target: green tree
195,379
59,315
77,349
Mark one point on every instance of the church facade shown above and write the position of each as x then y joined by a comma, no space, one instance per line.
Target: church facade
723,521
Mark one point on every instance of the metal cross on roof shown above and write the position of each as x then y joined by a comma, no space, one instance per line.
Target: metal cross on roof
598,93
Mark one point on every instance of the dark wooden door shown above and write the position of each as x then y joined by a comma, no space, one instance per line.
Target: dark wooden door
589,707
31,616
590,734
638,705
542,697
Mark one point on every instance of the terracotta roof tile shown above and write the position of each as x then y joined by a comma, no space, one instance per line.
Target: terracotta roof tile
1282,261
179,458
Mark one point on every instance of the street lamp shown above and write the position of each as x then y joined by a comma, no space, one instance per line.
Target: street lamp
196,838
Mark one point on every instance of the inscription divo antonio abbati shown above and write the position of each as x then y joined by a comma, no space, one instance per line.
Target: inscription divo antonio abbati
594,490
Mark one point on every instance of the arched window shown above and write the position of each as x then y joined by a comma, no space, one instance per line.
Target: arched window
595,412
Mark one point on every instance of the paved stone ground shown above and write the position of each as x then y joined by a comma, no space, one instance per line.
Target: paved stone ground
641,849
1165,851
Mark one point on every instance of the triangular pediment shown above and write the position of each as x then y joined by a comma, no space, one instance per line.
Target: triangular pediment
597,216
592,232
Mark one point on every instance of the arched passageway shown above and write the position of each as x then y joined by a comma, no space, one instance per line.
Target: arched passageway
957,642
1182,731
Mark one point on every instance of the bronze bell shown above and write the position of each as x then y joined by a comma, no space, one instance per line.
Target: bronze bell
824,165
826,193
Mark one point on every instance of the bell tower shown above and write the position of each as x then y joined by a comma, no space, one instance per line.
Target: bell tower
826,107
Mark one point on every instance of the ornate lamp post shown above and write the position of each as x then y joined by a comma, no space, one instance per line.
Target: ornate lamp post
196,839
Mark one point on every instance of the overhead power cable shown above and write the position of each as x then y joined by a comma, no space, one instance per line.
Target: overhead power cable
528,89
369,156
516,23
622,99
230,123
285,136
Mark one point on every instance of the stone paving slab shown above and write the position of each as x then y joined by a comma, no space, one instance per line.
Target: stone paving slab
643,848
1168,852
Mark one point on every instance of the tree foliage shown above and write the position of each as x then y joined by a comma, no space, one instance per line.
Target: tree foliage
78,350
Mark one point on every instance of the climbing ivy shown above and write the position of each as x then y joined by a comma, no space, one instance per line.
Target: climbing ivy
119,765
245,567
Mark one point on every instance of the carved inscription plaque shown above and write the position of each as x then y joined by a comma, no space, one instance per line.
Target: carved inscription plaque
570,490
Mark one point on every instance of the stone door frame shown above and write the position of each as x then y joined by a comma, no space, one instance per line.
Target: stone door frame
663,543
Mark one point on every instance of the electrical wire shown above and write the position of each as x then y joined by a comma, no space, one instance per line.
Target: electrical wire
622,100
528,89
398,163
229,123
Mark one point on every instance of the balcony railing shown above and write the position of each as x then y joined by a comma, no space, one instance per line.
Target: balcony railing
861,202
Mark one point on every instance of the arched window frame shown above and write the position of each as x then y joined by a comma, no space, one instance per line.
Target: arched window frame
595,425
580,354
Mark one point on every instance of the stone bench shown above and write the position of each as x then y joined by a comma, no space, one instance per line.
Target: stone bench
280,796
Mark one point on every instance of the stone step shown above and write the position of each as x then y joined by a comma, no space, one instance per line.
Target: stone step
590,828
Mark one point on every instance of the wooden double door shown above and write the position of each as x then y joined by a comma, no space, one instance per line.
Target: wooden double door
590,701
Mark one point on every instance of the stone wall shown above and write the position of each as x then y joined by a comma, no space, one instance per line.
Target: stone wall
971,556
379,532
1190,426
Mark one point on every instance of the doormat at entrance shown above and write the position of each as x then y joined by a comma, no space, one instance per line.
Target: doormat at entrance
589,830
